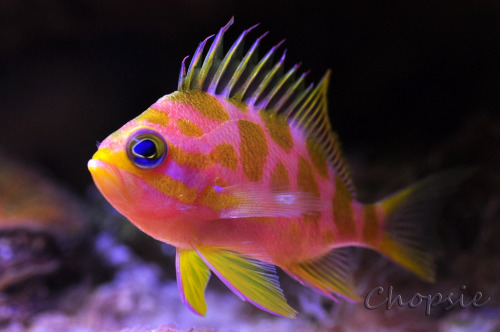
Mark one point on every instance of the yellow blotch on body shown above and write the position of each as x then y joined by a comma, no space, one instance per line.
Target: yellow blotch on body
194,160
293,231
327,237
225,155
155,116
253,149
209,197
305,178
206,104
278,128
188,128
370,221
219,182
307,183
342,209
312,218
317,156
279,177
174,188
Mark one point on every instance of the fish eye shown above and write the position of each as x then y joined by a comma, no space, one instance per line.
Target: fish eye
146,149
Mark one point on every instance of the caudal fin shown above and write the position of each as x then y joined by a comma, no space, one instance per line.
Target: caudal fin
410,218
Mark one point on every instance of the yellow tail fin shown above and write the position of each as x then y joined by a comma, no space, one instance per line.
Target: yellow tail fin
410,217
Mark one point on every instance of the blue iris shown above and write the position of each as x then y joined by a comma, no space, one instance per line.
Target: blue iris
146,149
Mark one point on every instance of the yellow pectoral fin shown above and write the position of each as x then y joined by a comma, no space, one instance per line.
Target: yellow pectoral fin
250,279
192,279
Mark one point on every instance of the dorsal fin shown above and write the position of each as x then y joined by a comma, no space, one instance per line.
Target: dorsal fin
263,85
311,114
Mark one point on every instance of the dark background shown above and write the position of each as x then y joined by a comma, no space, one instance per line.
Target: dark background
405,74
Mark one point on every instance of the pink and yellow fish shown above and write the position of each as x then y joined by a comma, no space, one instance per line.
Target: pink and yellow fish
240,170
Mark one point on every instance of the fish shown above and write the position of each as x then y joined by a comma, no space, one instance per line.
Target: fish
240,171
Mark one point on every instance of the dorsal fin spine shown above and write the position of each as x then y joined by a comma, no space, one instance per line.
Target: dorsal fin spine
227,59
315,108
316,116
318,95
324,132
279,85
242,66
243,90
182,74
305,107
288,95
329,148
259,93
214,50
192,66
293,110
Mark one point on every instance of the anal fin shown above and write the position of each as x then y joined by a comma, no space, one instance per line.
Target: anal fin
192,279
329,274
250,279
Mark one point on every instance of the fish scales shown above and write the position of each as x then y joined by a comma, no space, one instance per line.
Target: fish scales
218,133
240,170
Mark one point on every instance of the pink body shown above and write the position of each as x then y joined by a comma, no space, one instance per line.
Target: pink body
284,239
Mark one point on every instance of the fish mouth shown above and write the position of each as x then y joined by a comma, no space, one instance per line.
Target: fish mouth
104,174
108,180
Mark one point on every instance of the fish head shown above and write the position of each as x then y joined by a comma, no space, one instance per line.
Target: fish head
136,170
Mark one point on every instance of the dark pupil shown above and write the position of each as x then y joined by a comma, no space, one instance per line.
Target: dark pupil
145,148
